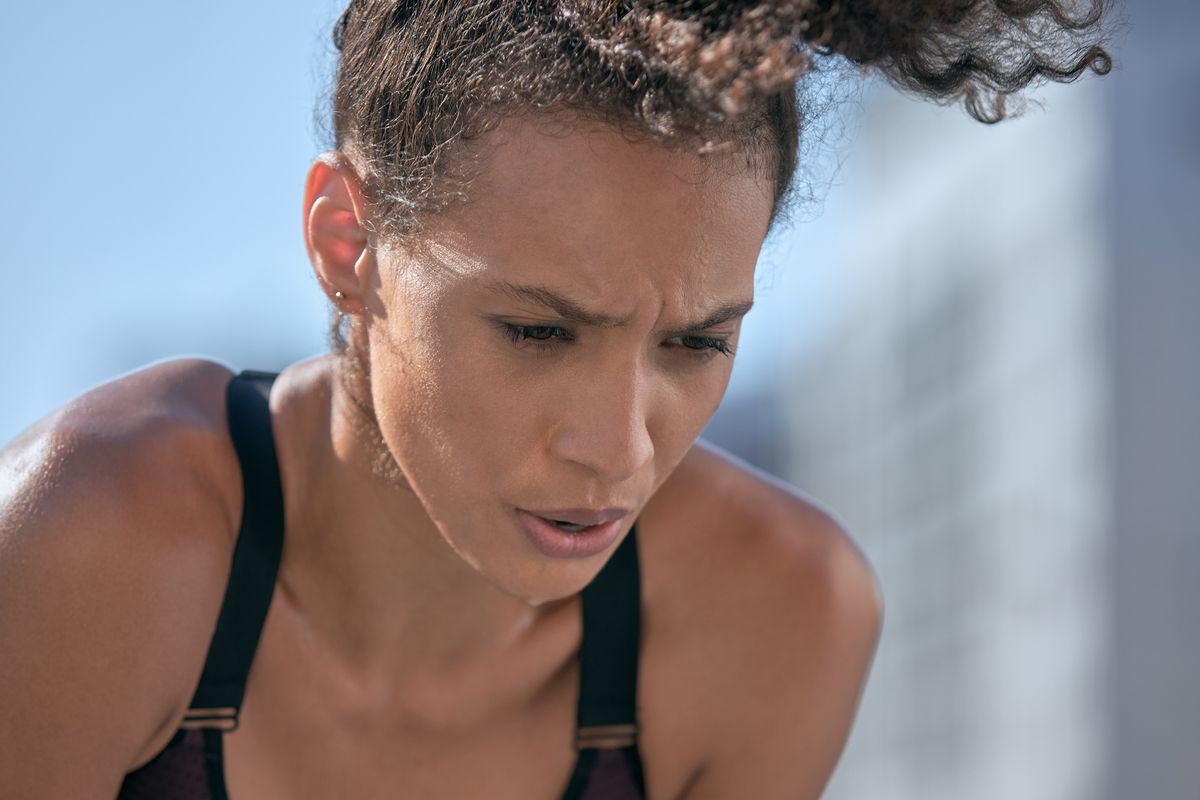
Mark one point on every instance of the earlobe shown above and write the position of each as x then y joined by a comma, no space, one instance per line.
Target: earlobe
335,232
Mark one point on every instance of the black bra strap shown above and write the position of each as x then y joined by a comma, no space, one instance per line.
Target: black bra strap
608,666
256,557
608,654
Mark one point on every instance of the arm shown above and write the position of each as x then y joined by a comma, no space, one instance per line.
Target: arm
783,615
798,645
114,540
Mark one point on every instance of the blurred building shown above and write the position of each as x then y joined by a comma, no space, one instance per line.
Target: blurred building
956,416
1003,405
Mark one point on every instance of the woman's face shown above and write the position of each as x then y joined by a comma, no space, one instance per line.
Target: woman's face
492,391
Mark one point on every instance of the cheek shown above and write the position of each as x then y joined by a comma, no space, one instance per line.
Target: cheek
450,420
486,418
686,408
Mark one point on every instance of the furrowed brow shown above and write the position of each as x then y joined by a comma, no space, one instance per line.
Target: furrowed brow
565,307
571,311
723,314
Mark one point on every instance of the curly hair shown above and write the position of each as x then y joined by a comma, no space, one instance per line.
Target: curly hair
418,78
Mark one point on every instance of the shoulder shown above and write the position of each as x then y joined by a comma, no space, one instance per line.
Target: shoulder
722,521
112,452
117,521
771,615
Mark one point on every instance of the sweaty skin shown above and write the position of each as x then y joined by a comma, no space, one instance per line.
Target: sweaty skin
416,638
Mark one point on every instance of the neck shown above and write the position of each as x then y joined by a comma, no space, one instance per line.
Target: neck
368,572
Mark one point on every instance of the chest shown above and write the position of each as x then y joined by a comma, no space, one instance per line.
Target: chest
293,754
310,728
300,738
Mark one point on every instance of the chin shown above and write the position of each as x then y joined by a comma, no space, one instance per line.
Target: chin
548,583
513,566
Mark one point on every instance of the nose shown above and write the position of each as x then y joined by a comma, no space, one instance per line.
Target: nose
604,425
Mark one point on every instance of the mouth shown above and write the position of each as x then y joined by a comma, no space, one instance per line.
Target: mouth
567,526
578,518
570,533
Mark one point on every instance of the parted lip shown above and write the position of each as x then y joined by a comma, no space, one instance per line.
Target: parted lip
579,516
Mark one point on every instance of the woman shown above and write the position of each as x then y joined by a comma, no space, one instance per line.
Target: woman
477,550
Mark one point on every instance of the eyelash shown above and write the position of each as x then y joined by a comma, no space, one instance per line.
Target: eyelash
518,335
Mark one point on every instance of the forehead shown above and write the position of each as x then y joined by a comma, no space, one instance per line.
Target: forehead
583,204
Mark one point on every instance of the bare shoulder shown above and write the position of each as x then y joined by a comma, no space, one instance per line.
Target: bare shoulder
762,619
117,520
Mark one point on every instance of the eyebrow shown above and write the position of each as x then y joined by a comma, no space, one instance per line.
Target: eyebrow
572,311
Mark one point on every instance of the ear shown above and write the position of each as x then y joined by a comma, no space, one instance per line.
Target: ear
336,231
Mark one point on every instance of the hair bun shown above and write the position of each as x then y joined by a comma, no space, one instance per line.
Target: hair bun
978,51
721,52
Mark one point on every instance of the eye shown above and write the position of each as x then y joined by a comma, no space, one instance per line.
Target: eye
706,346
548,337
538,337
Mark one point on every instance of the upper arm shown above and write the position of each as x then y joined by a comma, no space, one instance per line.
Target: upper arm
113,541
798,627
793,696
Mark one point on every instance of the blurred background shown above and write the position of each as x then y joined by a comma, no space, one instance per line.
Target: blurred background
980,350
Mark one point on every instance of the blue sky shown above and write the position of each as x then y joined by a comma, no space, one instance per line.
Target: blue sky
154,156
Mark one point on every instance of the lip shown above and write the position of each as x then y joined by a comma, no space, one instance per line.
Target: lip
579,516
556,543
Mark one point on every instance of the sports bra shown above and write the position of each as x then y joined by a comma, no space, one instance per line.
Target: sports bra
191,765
